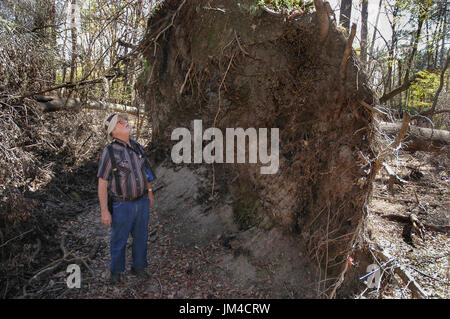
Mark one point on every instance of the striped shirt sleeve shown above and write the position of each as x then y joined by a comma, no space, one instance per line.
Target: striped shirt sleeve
104,165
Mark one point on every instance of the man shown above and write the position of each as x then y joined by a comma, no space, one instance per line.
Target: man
131,194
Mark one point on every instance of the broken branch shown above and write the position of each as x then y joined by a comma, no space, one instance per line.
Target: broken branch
400,89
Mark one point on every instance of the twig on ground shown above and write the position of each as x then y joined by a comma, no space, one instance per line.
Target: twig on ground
378,269
400,270
426,275
8,241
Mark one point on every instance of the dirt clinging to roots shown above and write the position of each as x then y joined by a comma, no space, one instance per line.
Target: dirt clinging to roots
232,65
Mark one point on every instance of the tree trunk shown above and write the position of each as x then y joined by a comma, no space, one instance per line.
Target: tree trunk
364,17
444,32
74,36
406,81
428,46
441,85
345,13
399,83
375,32
393,46
421,18
44,20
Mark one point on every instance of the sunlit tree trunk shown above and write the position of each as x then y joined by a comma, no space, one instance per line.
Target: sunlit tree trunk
392,47
74,36
364,17
444,32
423,11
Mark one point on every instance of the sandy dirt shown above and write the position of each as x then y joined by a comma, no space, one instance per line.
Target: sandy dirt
195,250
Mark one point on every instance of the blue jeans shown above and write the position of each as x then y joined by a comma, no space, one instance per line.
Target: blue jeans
129,218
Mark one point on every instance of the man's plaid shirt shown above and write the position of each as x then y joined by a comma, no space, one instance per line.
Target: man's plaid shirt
130,166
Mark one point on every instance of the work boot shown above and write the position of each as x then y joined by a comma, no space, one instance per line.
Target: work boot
114,279
140,273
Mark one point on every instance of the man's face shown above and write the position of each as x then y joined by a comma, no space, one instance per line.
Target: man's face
122,127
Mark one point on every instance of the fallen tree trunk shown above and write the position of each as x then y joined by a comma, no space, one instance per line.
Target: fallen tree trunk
419,138
54,104
113,107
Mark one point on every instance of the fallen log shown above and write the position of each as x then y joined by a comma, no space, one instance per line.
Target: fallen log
419,138
113,107
54,104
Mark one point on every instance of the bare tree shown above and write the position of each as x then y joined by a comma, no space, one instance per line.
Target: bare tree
74,37
375,31
422,15
444,32
364,18
393,45
345,13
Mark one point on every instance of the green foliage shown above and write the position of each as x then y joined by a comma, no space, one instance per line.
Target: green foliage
251,9
422,91
287,4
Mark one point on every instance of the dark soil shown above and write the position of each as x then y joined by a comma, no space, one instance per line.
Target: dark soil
242,67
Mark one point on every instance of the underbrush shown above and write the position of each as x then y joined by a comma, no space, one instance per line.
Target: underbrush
48,169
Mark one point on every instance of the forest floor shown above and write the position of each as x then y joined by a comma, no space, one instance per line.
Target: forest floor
425,192
190,255
195,250
187,254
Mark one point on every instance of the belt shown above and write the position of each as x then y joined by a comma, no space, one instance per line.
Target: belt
127,199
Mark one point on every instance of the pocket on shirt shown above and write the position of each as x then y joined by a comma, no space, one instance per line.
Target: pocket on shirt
124,168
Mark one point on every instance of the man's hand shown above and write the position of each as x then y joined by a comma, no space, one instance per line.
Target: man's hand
151,198
106,218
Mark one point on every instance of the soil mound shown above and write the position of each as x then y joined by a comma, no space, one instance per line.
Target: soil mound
234,65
